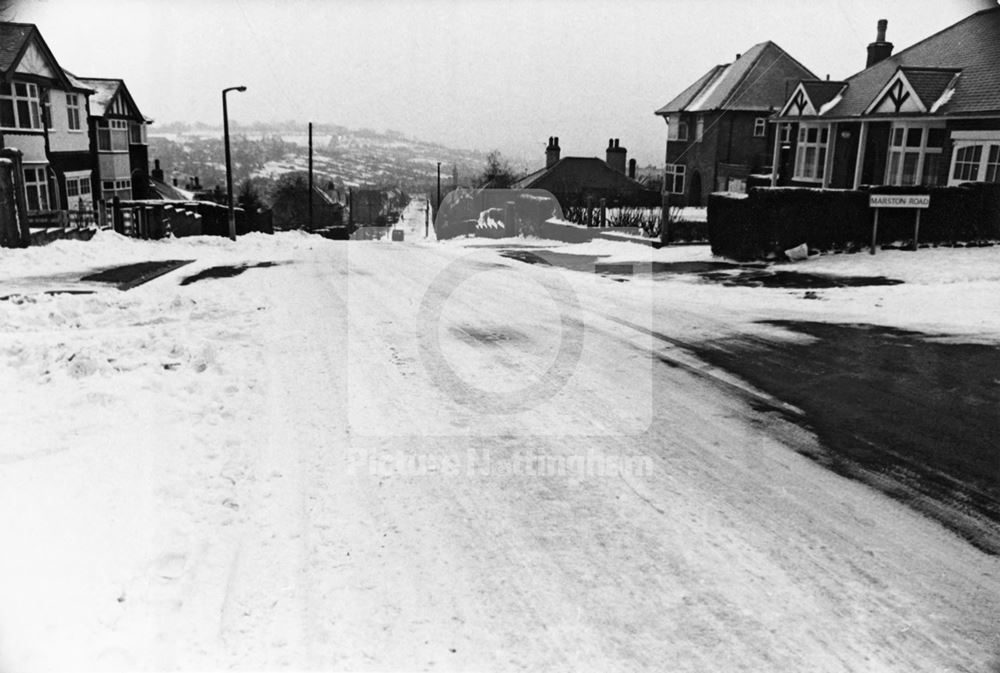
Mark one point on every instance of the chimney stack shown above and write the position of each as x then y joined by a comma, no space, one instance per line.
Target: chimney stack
552,152
615,156
157,171
879,50
631,168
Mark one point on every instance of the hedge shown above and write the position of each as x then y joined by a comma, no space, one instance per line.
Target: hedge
768,221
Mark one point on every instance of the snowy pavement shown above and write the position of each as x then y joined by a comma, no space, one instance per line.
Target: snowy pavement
422,455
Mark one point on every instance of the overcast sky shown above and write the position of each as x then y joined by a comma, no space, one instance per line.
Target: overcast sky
478,75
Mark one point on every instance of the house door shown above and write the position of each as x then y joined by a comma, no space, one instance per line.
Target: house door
694,196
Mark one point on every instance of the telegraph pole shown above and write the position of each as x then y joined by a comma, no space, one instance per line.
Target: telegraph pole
437,205
311,224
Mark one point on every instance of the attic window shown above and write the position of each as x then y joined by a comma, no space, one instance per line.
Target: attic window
759,127
19,106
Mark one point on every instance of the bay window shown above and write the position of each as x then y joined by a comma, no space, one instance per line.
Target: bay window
810,155
120,188
36,188
112,135
914,154
674,182
975,161
19,106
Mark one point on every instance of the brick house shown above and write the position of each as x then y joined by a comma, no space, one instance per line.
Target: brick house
584,181
929,115
717,128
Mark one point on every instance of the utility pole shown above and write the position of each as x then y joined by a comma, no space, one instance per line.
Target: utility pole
311,224
437,205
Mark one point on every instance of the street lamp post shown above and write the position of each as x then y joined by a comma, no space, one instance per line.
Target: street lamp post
229,168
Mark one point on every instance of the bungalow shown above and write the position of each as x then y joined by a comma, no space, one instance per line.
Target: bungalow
717,130
929,115
43,114
584,181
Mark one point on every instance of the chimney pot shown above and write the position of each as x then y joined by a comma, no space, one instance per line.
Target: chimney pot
879,50
616,155
552,152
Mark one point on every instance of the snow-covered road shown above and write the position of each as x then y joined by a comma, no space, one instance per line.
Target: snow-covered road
421,456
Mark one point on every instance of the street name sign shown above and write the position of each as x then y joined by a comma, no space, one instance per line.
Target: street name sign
917,201
899,200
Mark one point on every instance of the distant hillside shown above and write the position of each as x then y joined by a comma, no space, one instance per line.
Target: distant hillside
346,157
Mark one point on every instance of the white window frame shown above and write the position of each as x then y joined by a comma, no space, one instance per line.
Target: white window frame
671,174
677,128
78,190
895,163
36,181
30,99
699,129
810,155
74,113
111,188
108,132
760,127
141,127
984,169
785,133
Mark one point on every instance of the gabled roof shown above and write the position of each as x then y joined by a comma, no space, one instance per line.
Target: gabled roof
821,92
18,39
758,80
971,46
930,83
812,97
111,97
